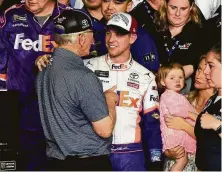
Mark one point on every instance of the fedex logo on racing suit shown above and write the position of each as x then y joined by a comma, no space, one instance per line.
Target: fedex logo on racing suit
119,66
124,97
44,43
153,98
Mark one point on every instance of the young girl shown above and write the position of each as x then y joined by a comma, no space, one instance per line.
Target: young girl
171,79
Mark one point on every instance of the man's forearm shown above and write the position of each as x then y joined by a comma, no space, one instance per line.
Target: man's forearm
112,113
105,126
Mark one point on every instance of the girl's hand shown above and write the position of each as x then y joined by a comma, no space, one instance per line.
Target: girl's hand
175,122
208,121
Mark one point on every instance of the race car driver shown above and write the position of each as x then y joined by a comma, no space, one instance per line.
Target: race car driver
26,33
143,50
137,109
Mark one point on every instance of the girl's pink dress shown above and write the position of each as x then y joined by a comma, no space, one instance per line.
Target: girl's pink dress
175,104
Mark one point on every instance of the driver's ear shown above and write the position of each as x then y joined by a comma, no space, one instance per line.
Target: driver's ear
133,38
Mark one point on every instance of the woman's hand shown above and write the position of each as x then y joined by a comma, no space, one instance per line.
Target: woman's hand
175,153
179,123
175,122
208,121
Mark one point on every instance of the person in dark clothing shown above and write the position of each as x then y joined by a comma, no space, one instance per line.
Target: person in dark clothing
212,30
26,33
93,9
179,25
145,13
208,124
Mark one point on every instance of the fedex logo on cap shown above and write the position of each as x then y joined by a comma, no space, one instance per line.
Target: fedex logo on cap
44,43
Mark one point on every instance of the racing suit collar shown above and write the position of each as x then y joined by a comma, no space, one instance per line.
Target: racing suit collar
119,66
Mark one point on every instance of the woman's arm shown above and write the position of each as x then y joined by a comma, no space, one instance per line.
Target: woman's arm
188,69
179,123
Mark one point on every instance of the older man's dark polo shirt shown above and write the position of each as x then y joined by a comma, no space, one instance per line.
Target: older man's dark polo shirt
70,98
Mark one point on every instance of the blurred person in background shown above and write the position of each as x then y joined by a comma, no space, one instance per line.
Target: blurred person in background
208,7
212,30
93,9
179,25
144,14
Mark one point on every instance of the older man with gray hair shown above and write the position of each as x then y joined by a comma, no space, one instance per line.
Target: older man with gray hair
77,118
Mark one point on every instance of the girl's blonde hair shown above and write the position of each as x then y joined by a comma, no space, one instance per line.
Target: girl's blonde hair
163,72
161,19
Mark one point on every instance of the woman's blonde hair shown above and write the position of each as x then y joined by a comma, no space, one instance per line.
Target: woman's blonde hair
163,72
191,97
161,19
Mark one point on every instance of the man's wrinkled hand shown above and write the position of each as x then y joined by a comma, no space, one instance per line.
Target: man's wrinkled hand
42,61
111,96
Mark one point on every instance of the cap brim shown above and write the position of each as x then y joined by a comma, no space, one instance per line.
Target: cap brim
118,29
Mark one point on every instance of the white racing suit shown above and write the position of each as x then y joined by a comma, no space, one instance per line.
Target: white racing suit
137,125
